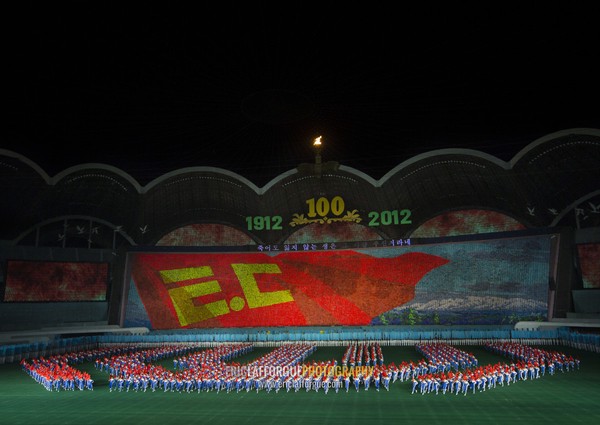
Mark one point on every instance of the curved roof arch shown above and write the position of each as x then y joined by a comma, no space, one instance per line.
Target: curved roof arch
200,169
360,174
432,154
28,162
276,180
91,166
527,149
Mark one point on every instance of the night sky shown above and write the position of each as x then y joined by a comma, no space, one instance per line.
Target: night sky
246,86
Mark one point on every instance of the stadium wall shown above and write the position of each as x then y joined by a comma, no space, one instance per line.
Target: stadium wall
16,316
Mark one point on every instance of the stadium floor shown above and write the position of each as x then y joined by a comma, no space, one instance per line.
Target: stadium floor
565,398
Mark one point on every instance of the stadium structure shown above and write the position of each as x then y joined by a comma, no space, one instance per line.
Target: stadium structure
450,257
450,238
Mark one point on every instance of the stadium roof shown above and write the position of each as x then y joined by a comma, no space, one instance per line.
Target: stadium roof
246,87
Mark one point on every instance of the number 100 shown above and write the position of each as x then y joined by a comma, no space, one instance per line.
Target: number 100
322,206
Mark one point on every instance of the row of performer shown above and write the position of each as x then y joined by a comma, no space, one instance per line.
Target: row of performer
189,383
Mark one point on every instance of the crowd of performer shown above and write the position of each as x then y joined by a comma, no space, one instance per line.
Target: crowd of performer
444,369
444,357
527,363
281,369
133,372
55,374
358,354
537,359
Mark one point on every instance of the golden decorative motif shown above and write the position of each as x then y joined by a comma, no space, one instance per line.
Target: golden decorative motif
351,216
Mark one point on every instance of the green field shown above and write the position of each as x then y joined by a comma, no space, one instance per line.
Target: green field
565,398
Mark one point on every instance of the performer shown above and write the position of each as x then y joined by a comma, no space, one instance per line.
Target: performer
356,382
386,381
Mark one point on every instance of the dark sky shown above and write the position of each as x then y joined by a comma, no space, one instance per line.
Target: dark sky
246,86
